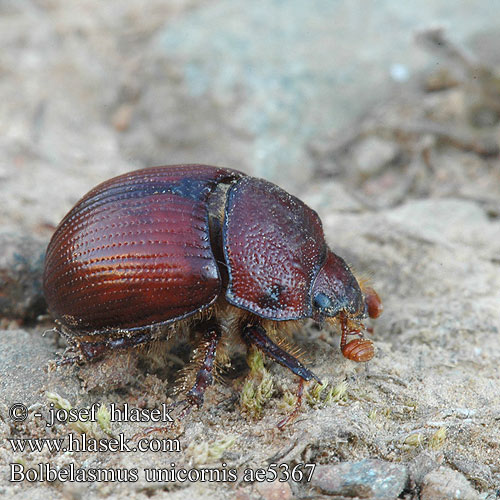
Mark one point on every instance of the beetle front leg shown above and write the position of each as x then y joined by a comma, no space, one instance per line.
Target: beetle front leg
256,335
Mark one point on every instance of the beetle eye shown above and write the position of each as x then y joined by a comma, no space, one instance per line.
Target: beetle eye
322,301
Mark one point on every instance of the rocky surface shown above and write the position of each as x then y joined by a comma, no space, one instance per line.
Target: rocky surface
405,179
21,269
446,483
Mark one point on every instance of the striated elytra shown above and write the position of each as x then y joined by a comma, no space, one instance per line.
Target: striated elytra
155,251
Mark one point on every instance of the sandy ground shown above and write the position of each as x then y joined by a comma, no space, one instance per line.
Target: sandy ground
408,194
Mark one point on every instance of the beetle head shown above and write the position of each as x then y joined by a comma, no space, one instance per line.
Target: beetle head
337,291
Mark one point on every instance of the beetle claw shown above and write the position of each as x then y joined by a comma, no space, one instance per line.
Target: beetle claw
68,358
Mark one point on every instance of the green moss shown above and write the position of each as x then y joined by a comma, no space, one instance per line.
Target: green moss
104,419
337,393
59,401
288,401
258,387
313,394
414,440
205,452
255,361
438,439
82,426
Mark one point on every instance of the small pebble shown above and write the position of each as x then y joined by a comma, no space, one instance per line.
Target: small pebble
369,478
447,484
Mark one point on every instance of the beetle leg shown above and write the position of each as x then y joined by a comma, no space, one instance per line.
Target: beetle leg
256,335
96,347
204,377
93,347
298,404
67,360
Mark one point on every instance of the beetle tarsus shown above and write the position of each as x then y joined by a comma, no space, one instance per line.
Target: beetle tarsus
67,358
65,361
298,405
256,335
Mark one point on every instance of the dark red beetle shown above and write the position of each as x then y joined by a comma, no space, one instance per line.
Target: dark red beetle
147,252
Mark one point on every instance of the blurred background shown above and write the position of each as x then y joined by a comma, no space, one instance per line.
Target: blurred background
298,92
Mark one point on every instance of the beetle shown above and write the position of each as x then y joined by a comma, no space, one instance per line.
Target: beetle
167,248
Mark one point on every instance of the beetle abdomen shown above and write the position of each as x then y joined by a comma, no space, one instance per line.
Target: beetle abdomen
136,251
